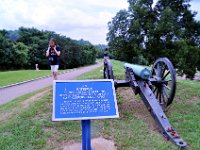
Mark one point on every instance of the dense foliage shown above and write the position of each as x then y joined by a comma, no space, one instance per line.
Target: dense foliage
100,50
25,47
144,33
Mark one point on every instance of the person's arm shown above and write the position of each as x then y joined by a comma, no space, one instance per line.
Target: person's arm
47,52
57,51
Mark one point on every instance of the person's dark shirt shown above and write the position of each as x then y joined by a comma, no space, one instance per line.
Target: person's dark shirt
53,57
105,53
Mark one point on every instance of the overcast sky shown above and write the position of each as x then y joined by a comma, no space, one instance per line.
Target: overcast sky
76,19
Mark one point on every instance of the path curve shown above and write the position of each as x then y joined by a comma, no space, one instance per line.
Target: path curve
10,93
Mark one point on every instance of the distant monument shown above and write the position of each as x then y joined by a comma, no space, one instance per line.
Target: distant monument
36,67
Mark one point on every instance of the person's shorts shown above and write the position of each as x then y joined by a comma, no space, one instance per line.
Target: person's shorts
54,68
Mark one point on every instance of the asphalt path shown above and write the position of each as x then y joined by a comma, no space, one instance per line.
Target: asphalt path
9,93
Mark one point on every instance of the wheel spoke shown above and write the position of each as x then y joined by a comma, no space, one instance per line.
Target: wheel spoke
106,72
155,71
163,72
157,94
163,97
155,90
160,99
167,95
168,80
166,75
167,87
159,70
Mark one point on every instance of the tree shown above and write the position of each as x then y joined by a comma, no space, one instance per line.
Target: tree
26,47
19,55
12,55
186,58
83,42
12,35
5,51
117,36
71,56
88,54
37,41
163,35
146,32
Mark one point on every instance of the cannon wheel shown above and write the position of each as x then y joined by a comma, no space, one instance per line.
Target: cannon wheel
165,86
108,72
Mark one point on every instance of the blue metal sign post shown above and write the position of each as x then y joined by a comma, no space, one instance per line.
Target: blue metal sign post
86,139
84,100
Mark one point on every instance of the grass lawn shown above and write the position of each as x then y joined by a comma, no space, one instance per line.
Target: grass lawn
25,123
11,77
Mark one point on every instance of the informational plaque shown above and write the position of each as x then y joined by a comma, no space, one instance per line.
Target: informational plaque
84,100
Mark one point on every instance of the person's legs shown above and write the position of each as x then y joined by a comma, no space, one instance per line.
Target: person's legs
52,70
55,76
55,71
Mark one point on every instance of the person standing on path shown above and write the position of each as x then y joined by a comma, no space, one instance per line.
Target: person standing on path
53,54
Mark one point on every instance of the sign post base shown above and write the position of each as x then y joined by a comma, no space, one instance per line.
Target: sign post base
86,139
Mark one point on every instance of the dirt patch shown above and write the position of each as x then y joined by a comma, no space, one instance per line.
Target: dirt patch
34,98
126,93
97,144
195,99
24,104
5,116
137,107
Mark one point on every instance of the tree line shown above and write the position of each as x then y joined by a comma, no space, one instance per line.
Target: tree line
25,47
144,32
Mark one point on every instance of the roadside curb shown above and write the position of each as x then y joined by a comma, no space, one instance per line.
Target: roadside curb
43,77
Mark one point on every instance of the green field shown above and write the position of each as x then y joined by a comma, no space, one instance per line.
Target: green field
25,123
11,77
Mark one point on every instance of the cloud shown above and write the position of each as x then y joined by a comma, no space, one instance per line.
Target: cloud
195,6
117,4
76,19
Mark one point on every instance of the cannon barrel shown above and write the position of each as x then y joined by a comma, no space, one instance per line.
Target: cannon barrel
138,70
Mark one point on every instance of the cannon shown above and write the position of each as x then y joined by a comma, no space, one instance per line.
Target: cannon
156,88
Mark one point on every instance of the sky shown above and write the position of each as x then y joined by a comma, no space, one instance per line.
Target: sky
77,19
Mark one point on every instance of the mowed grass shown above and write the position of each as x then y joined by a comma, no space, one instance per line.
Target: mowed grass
11,77
30,127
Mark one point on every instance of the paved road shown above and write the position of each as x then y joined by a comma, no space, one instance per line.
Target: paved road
10,93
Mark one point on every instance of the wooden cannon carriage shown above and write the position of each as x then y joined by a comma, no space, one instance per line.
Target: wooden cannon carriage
156,88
